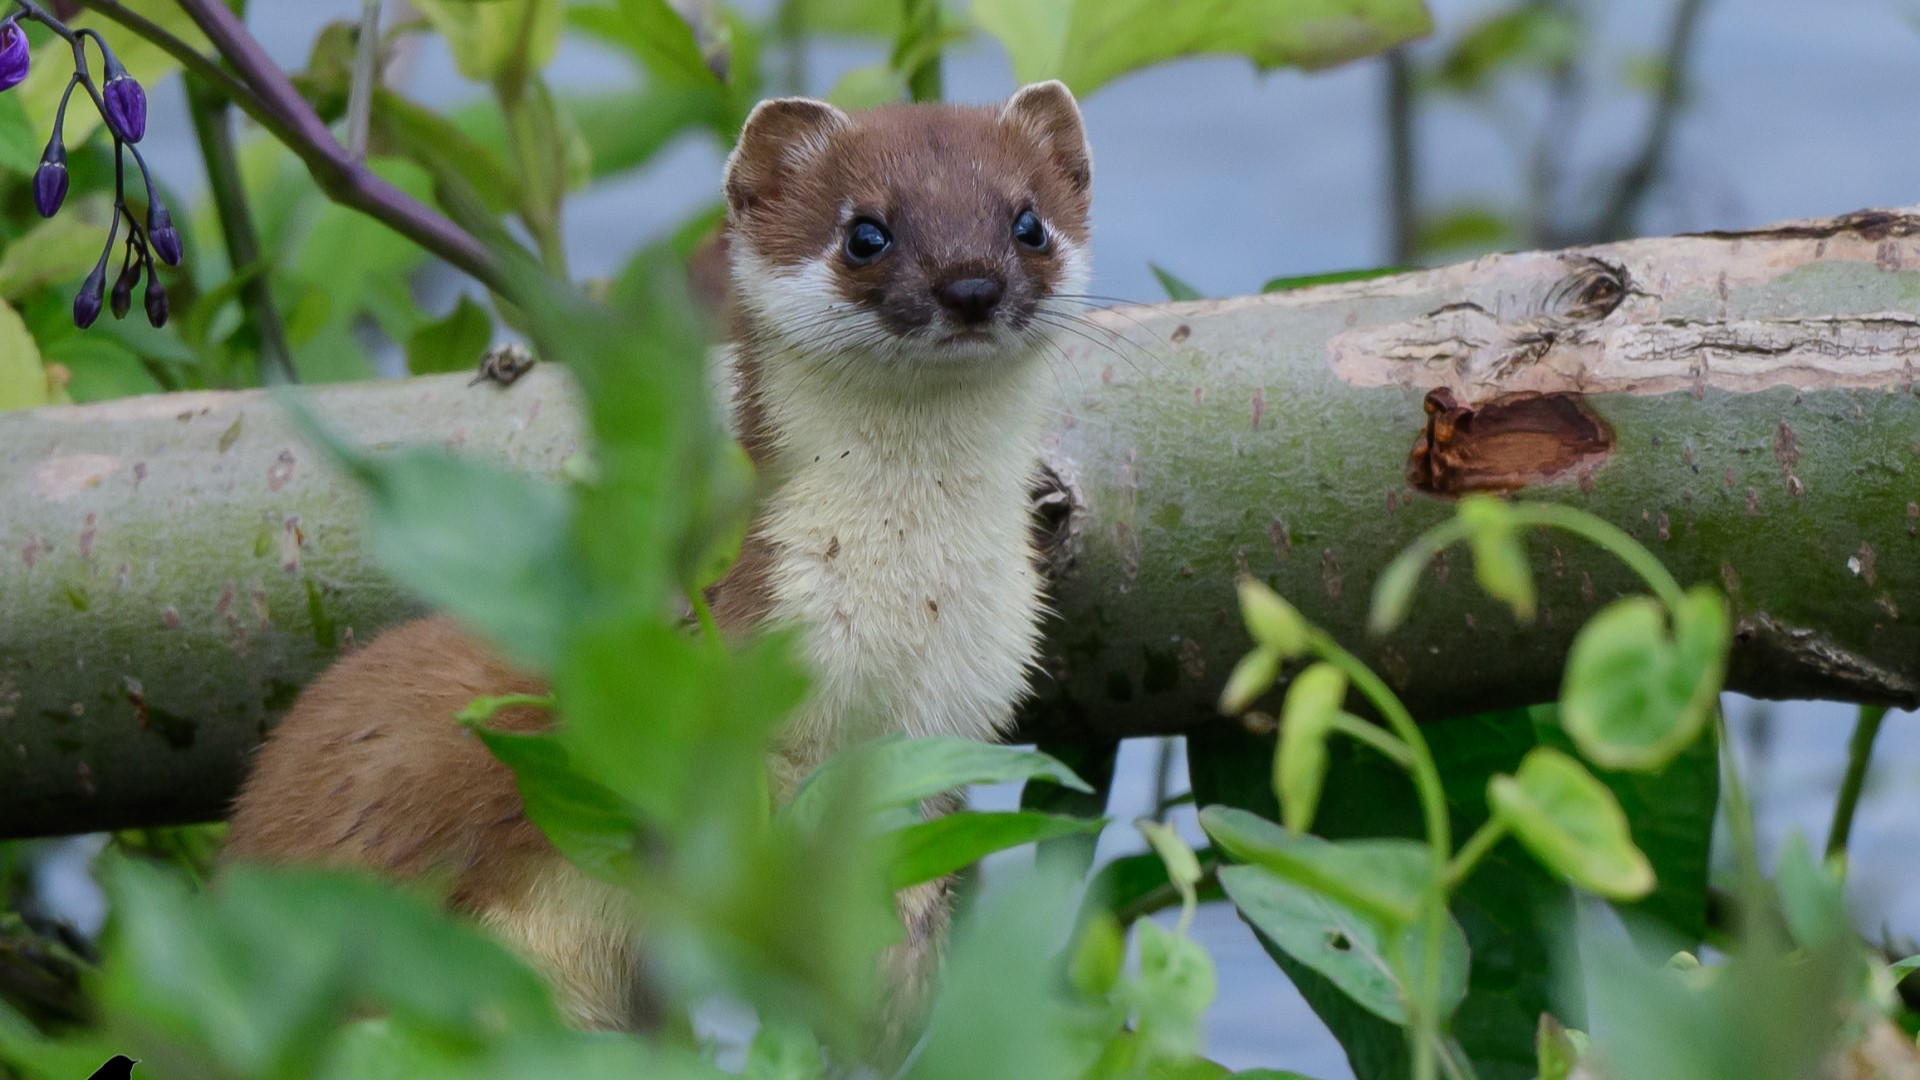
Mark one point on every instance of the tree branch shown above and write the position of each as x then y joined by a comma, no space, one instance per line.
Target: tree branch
175,567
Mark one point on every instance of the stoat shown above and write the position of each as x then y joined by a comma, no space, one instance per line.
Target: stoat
893,272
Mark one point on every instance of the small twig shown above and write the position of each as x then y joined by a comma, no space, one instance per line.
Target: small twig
1859,755
213,127
365,73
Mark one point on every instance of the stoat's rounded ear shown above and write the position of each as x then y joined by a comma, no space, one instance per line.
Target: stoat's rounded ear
781,136
1048,113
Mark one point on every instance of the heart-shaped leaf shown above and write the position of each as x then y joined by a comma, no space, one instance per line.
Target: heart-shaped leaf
1300,766
1572,824
1380,879
1635,696
1342,944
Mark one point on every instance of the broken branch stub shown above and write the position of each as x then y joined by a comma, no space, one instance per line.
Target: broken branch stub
173,569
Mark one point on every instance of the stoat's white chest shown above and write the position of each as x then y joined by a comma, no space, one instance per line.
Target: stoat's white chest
901,544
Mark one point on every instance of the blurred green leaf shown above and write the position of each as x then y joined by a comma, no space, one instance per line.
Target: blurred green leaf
1538,36
589,824
1176,289
1903,968
1813,898
1176,983
1381,879
102,368
57,251
1559,1048
1572,824
653,32
868,86
1635,696
406,129
1100,957
497,37
1314,701
951,842
898,772
1307,281
23,381
869,18
1252,676
784,1052
454,343
625,129
1343,945
1087,43
20,142
1499,559
1271,619
1469,228
484,543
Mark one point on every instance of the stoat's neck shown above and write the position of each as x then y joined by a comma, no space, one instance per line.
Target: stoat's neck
896,535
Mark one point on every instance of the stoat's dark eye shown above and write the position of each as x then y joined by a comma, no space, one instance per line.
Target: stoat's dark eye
1028,230
866,240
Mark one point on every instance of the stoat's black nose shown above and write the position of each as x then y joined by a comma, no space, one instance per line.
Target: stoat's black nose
971,300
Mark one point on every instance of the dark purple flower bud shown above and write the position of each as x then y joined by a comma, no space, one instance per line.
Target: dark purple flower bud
156,300
49,187
86,305
126,103
166,241
120,301
15,57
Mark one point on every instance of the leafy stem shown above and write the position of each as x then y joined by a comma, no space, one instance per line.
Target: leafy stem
1859,755
1468,857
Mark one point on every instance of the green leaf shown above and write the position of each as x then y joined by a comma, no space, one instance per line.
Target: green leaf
1559,1048
1535,36
1087,43
23,380
1175,985
454,343
1100,957
899,772
429,513
1341,944
1307,281
1512,910
1251,677
1499,560
949,843
101,367
784,1051
1271,620
1314,701
1183,866
57,251
653,32
594,828
1176,288
490,39
1901,969
20,143
1393,593
1634,696
419,134
1812,896
1468,228
867,86
624,130
1381,879
1572,824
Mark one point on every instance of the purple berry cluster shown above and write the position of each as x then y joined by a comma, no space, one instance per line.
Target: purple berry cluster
122,104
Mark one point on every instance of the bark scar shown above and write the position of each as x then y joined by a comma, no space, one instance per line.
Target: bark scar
1514,441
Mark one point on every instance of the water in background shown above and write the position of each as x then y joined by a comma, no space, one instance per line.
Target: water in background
1229,178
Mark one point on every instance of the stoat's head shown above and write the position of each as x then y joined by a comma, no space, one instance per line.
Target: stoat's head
910,235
